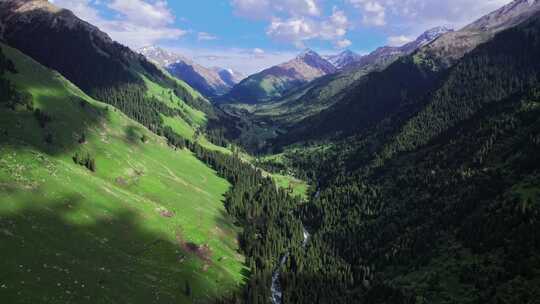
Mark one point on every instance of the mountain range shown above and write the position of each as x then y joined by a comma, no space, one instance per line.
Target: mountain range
275,81
304,101
211,82
409,175
412,75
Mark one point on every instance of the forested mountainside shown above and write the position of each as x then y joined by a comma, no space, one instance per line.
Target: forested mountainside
94,206
404,84
438,203
316,96
102,68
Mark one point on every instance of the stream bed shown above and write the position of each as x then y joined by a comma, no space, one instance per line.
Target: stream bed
277,291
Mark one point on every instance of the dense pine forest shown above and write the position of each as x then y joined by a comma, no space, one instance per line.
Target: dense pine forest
438,203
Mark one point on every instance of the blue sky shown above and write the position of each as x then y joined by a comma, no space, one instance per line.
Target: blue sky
249,35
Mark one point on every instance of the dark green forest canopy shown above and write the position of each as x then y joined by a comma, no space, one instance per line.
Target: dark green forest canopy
436,198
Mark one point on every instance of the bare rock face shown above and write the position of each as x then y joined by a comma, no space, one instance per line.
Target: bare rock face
161,57
209,82
343,59
454,45
383,56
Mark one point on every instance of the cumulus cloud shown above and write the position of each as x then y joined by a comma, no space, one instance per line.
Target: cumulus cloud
418,15
297,30
204,36
136,23
373,12
267,9
343,44
296,21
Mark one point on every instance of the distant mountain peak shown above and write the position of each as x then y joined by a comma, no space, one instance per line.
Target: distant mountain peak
208,81
435,32
343,59
427,37
307,53
347,52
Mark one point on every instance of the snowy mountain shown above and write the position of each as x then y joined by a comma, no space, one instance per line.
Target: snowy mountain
210,82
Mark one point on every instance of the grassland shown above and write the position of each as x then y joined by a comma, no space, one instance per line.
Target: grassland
298,187
148,223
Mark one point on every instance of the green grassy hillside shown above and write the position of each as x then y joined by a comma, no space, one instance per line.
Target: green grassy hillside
147,226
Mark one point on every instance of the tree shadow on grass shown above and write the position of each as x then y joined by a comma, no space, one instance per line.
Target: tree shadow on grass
53,252
134,135
44,111
62,125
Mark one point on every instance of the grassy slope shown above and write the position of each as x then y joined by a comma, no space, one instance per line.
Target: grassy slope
192,119
71,235
298,187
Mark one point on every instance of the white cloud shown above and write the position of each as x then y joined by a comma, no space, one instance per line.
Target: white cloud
343,44
297,30
258,53
137,23
399,40
419,15
335,27
267,9
141,12
295,21
373,12
204,36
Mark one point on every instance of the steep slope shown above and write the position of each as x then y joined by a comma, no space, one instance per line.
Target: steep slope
438,202
405,83
383,56
275,81
96,208
205,80
101,67
452,46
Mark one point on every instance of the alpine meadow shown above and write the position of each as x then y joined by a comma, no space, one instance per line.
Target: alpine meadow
270,152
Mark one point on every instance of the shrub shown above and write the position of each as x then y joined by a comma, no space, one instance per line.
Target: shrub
85,160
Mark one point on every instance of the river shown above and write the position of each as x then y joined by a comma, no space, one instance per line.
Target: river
276,290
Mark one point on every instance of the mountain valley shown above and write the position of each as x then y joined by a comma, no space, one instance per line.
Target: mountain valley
407,175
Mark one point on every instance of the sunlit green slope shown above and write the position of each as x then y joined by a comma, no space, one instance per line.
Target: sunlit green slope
148,226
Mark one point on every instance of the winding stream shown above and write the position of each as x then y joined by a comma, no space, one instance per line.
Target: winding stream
277,292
